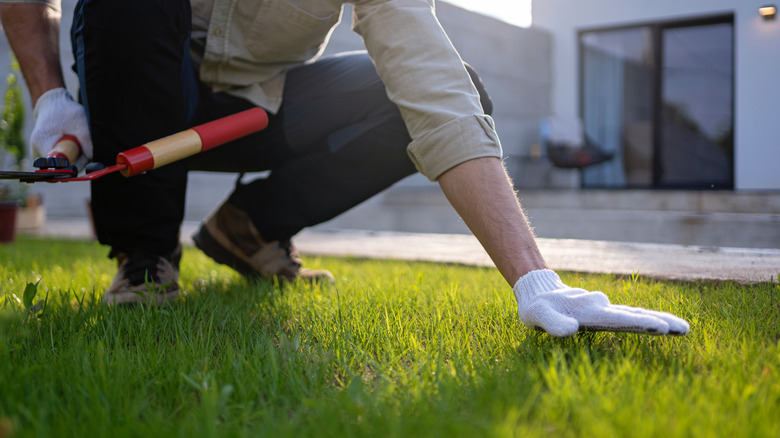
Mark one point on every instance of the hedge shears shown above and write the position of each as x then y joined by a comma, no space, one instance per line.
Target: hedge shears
56,166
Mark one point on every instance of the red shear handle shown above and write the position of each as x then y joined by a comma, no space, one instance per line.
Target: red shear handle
197,139
227,129
67,147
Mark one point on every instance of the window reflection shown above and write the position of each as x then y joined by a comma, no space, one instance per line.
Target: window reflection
696,112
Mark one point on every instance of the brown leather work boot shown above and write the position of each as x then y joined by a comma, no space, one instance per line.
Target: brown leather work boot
144,279
229,237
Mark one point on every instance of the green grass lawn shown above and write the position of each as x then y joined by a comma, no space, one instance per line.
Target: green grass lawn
393,349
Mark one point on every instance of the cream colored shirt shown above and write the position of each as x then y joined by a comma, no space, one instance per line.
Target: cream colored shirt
246,46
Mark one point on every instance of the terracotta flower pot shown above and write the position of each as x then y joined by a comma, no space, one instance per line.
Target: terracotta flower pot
8,221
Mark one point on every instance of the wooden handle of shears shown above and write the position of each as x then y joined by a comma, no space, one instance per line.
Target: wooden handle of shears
186,143
67,147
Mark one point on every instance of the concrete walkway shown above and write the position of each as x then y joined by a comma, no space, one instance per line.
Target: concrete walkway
660,261
650,260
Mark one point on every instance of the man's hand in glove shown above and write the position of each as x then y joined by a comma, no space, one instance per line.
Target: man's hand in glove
56,115
545,302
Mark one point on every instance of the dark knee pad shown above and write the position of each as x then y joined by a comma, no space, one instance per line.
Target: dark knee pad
484,97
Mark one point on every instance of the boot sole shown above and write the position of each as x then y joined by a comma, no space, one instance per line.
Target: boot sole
206,243
136,300
145,298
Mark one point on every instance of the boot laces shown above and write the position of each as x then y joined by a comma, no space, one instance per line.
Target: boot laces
142,268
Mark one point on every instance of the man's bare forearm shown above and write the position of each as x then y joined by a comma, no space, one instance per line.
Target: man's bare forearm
33,32
480,191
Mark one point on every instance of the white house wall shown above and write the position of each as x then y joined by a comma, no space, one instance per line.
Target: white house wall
757,67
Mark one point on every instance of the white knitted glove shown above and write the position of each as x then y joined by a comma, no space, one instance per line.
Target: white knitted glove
545,302
56,114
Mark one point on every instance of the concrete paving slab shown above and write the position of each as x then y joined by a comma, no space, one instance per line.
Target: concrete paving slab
662,261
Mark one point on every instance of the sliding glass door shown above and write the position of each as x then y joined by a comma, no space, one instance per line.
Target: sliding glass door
661,97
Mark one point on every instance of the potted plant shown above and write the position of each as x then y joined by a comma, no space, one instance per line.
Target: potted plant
12,153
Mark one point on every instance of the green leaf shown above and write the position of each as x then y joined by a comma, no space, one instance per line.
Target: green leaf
29,294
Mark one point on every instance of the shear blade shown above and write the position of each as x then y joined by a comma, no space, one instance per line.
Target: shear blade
26,176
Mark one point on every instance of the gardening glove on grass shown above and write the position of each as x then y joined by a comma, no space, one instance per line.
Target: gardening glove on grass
545,302
57,114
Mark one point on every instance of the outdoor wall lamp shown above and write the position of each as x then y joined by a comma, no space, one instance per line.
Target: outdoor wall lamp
768,12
